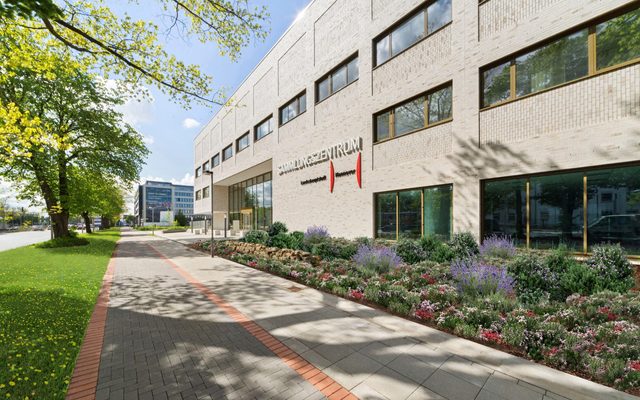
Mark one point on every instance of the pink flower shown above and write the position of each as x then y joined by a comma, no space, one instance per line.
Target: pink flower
491,336
634,365
424,314
356,294
252,264
430,279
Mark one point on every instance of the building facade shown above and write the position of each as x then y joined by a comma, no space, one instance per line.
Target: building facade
160,202
407,118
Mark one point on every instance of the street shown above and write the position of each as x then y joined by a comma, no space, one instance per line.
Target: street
18,239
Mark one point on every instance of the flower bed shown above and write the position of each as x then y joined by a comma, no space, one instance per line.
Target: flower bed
492,296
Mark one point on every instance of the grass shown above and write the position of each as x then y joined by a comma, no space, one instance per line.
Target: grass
46,300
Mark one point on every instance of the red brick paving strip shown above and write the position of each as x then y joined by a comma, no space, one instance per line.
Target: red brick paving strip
85,374
330,388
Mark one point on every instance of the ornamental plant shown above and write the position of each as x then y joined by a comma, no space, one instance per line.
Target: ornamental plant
410,251
315,234
498,246
256,236
612,267
476,278
376,260
463,244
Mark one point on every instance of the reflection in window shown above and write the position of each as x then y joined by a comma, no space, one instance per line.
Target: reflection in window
383,52
242,142
409,214
250,203
264,128
294,108
215,160
339,79
341,76
438,218
382,126
505,209
561,61
409,117
617,40
227,153
496,86
386,215
438,15
407,34
440,105
205,192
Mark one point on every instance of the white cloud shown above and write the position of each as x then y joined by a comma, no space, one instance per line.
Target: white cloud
190,123
148,140
9,194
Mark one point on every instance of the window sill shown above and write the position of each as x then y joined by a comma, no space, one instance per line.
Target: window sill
338,91
445,121
410,47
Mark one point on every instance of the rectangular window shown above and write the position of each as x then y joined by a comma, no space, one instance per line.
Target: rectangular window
419,113
215,160
338,78
418,25
557,205
264,128
242,142
205,192
578,54
293,108
198,172
414,213
227,153
205,166
198,195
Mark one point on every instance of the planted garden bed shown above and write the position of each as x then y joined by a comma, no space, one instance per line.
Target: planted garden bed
579,317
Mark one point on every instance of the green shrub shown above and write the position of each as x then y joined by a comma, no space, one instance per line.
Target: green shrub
297,239
465,330
613,269
577,278
281,240
464,244
399,308
363,240
256,236
410,251
277,228
71,241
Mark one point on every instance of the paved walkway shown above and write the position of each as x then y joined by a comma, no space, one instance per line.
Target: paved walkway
12,240
182,325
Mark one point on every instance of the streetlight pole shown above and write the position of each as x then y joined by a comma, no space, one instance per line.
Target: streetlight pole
210,173
153,225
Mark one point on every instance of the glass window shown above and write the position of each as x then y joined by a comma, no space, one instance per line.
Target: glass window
409,117
438,15
408,33
437,211
382,126
227,153
302,103
352,70
339,79
410,214
205,192
617,40
440,105
242,142
323,89
556,207
613,207
205,166
496,84
198,172
383,53
386,215
294,108
264,128
198,195
505,209
561,61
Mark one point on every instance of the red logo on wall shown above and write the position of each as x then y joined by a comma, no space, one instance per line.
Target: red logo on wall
357,172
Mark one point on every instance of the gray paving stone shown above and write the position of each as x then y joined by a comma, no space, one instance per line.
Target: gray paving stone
509,389
451,387
465,369
412,368
391,384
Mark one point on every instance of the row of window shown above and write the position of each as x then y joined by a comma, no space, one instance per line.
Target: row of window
203,194
583,52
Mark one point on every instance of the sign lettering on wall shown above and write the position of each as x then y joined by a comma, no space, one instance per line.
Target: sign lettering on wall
349,146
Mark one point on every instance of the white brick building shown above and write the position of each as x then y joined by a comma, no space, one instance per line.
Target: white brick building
569,104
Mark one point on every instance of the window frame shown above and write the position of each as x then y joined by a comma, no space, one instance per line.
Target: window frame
592,70
259,124
295,99
198,172
207,191
198,195
224,158
246,134
427,125
206,166
216,157
329,75
527,178
388,33
397,196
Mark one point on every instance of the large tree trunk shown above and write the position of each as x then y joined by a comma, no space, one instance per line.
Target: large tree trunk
106,222
87,221
59,224
63,186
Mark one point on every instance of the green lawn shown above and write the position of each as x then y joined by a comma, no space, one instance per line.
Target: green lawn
46,300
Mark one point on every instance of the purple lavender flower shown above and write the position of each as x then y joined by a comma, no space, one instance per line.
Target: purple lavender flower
498,246
474,277
377,259
316,234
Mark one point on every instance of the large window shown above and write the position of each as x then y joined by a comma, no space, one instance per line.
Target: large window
205,166
205,192
157,200
215,160
242,142
198,172
198,195
558,203
418,113
250,202
263,128
414,213
293,108
341,76
586,51
418,25
227,153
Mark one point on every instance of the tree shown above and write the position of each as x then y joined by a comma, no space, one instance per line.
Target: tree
93,193
181,219
129,49
58,120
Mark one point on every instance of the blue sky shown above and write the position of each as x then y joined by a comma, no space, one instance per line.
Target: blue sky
169,129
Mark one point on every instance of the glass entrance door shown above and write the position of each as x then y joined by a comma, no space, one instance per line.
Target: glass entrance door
247,219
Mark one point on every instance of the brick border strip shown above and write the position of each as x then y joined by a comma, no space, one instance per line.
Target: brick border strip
85,373
321,381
